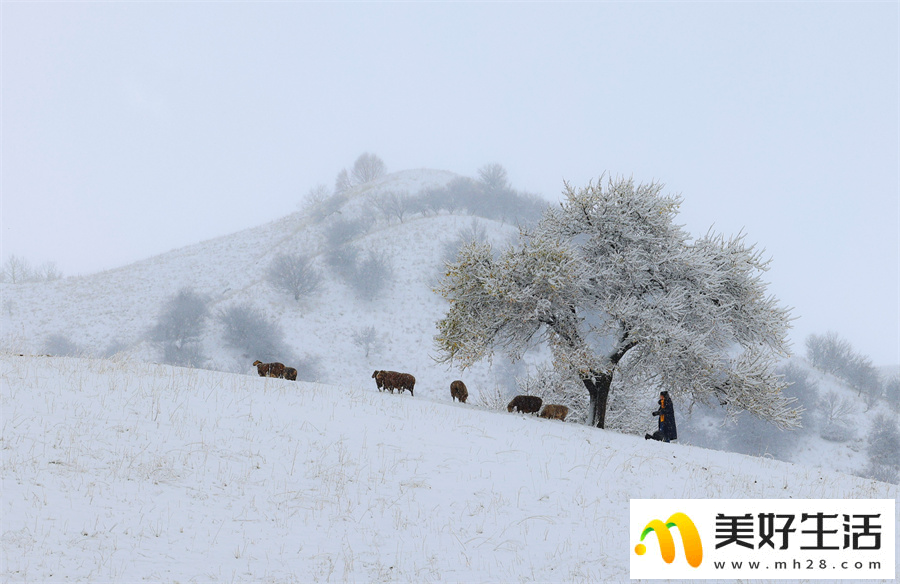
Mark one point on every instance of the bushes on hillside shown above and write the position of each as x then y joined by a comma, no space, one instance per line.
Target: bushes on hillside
17,270
883,450
892,393
249,331
60,345
490,197
835,355
835,418
294,274
179,329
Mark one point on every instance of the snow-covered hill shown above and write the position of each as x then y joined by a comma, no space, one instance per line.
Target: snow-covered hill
113,311
124,471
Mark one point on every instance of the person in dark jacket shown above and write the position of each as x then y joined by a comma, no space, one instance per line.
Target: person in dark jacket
666,412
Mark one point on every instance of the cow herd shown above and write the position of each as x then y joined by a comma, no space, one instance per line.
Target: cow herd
275,369
527,404
391,380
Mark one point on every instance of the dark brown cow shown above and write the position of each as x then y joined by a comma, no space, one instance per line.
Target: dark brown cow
391,380
527,404
406,381
459,391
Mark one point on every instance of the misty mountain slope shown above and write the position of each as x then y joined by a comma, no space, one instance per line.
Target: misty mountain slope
120,306
116,470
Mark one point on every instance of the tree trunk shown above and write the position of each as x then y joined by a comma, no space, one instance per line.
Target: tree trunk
598,385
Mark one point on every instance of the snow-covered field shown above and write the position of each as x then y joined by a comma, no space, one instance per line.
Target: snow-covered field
124,471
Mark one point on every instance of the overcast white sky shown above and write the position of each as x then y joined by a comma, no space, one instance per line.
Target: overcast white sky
132,129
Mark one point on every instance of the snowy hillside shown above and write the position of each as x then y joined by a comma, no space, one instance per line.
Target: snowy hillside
118,470
112,312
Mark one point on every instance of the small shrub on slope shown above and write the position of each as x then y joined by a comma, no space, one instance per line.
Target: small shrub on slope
256,337
883,450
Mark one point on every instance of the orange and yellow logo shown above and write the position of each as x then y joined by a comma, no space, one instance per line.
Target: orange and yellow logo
690,538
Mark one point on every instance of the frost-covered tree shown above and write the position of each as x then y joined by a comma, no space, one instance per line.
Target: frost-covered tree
620,292
294,274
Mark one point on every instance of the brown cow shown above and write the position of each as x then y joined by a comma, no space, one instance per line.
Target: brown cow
269,369
391,380
555,412
459,391
527,404
378,376
406,381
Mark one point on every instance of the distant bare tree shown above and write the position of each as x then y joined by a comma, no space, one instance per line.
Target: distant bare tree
16,270
368,339
318,202
342,182
367,168
493,178
892,392
835,408
835,411
47,272
179,328
834,355
883,450
392,204
342,231
828,352
369,276
248,330
294,274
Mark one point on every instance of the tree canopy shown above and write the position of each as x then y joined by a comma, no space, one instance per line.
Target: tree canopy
618,290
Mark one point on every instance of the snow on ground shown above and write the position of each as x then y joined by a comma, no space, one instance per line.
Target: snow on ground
124,471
